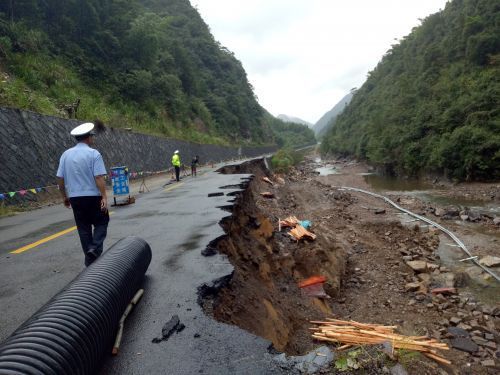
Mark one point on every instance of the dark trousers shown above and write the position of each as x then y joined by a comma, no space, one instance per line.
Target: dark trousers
193,170
177,172
87,212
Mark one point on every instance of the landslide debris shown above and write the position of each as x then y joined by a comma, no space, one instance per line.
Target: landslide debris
378,270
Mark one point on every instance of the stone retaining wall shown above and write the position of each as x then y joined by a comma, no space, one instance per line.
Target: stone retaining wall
31,145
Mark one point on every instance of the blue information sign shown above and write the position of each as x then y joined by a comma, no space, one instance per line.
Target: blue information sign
119,177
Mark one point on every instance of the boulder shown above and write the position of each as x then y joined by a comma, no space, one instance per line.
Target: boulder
496,220
439,212
490,261
418,266
412,287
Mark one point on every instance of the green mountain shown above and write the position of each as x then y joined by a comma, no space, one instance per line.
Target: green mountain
432,103
295,120
328,119
151,65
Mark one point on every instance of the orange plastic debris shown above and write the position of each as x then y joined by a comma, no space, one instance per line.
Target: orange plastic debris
316,279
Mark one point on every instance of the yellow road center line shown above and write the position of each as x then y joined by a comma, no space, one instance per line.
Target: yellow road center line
43,240
46,239
174,186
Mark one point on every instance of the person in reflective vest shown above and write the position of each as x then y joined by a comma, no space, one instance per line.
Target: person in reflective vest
176,162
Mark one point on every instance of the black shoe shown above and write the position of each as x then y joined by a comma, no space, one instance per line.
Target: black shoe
91,256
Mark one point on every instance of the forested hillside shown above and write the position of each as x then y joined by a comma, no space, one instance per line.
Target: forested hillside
290,134
328,119
151,65
432,103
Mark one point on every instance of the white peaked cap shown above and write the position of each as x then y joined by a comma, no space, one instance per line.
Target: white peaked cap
83,129
176,151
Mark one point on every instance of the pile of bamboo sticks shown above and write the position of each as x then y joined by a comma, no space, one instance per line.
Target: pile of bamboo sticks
351,333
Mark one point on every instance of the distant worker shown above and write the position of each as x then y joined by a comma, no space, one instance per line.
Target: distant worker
194,164
176,162
81,183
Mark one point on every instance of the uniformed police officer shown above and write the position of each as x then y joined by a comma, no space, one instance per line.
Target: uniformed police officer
81,182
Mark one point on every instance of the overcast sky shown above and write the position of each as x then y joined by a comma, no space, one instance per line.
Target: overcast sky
303,56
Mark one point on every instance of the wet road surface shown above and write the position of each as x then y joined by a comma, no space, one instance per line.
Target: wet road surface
178,221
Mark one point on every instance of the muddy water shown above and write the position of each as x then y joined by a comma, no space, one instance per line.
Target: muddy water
385,183
325,169
428,193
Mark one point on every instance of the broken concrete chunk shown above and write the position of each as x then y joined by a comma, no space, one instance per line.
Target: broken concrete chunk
173,325
310,363
424,277
439,212
412,287
464,344
398,370
488,363
432,266
417,265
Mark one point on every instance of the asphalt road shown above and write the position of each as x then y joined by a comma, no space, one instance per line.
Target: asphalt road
178,221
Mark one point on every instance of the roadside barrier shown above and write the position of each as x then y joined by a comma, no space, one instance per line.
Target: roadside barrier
77,327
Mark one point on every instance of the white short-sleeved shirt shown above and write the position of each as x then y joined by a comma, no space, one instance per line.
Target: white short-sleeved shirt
78,167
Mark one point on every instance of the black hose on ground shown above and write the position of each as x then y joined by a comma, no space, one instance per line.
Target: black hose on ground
77,327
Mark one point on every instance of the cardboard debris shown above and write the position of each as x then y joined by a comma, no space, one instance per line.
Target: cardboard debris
300,232
267,194
354,333
267,180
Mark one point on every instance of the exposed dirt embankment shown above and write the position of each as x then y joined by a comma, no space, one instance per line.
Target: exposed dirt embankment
262,296
365,250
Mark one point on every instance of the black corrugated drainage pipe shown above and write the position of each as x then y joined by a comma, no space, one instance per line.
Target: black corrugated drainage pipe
76,328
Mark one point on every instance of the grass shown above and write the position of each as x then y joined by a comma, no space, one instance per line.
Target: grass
45,84
8,210
286,158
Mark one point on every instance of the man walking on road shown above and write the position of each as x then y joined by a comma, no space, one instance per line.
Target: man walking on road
176,162
81,182
194,164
